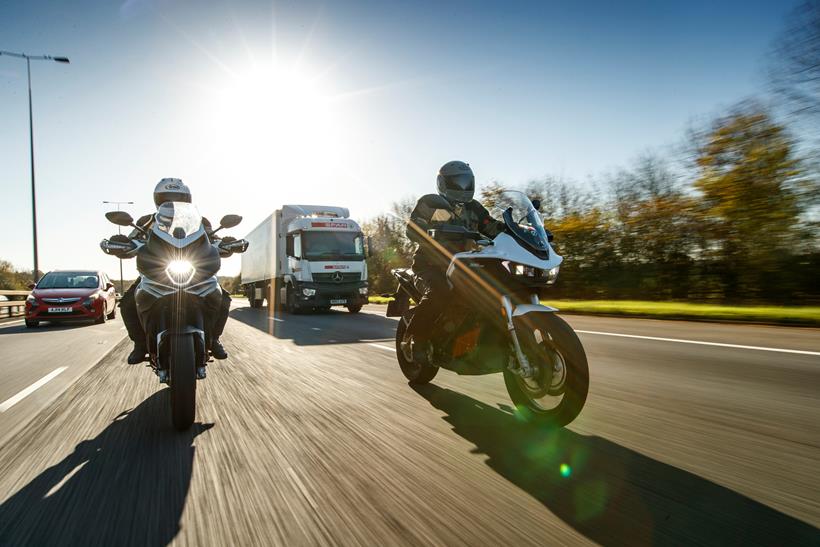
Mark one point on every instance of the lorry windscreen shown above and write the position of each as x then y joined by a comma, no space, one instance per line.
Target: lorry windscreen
332,246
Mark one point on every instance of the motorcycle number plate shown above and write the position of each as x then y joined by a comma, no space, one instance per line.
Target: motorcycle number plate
338,301
61,309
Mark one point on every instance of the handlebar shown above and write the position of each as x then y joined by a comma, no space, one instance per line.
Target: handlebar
453,232
229,245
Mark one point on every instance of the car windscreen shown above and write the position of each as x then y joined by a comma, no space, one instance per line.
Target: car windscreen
332,246
69,280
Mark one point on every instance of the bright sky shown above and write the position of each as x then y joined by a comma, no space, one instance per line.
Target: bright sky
256,104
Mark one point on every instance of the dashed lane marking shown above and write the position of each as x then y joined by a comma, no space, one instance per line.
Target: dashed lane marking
380,346
8,403
700,343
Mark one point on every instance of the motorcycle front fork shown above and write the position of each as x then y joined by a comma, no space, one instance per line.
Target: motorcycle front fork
524,368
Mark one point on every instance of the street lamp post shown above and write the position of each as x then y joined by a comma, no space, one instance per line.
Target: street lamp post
119,231
28,59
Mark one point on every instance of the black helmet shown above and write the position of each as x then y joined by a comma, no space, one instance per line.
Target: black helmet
456,182
171,190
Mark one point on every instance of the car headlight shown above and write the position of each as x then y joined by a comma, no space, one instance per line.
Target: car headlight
31,300
309,292
89,302
363,290
180,272
552,275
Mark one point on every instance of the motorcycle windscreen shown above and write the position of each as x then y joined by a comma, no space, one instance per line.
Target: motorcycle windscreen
178,223
524,221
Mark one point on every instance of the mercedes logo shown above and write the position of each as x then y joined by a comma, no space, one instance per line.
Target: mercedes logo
337,277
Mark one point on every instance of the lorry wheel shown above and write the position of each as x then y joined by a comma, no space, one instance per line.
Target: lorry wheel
356,308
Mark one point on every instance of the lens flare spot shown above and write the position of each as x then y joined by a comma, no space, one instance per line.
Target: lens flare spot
565,470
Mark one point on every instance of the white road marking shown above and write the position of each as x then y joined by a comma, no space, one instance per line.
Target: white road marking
8,403
388,348
302,488
700,343
315,328
276,319
65,479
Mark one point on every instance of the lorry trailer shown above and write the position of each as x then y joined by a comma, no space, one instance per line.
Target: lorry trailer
306,257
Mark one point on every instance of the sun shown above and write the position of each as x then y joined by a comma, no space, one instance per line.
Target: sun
277,119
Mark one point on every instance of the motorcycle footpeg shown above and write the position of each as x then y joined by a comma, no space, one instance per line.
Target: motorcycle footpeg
201,373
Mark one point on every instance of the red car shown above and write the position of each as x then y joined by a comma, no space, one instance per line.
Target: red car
71,295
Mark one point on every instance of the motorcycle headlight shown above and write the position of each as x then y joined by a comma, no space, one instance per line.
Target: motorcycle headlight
552,275
180,272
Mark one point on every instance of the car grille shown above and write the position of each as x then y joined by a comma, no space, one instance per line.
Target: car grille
60,300
329,277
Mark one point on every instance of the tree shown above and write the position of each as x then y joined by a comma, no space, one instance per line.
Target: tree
389,246
230,283
795,71
13,279
747,180
655,227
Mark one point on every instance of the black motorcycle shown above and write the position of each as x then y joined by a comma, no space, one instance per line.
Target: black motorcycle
495,322
177,259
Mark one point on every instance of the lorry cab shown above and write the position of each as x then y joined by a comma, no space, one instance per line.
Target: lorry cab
317,254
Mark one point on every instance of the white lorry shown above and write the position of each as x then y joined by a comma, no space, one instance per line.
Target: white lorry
306,257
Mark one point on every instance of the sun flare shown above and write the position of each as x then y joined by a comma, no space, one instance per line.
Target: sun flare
276,119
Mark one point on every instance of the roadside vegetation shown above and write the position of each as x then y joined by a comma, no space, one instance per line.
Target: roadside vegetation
779,315
726,222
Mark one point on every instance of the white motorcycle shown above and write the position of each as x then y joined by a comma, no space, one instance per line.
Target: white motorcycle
495,322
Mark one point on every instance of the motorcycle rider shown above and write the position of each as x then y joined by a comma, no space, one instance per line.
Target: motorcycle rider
168,189
456,184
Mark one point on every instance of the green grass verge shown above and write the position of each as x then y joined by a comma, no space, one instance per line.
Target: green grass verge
786,315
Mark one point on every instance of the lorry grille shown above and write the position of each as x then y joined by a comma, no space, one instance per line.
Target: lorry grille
337,277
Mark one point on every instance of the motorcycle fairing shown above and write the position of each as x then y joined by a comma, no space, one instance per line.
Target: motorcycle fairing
158,290
506,248
524,309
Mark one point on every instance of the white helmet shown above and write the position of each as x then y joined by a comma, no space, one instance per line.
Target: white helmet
171,190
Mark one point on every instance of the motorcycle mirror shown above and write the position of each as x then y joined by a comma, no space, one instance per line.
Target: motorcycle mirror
229,221
537,204
120,218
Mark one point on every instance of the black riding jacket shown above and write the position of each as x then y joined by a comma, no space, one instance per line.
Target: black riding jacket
425,215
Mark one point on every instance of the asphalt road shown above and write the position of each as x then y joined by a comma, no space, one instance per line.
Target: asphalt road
65,351
308,434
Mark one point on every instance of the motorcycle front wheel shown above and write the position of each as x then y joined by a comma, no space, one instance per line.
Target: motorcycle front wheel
556,394
182,369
